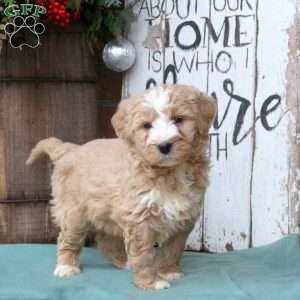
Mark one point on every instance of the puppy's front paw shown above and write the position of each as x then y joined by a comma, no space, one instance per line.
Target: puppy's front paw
171,276
66,271
156,285
161,284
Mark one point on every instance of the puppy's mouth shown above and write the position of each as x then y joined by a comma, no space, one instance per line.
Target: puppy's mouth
165,157
167,160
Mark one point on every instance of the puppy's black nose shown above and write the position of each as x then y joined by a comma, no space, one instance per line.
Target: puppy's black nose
165,148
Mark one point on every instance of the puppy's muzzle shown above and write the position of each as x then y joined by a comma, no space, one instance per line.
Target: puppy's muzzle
165,148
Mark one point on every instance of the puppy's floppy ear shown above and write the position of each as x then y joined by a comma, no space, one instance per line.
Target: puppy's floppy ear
121,119
207,108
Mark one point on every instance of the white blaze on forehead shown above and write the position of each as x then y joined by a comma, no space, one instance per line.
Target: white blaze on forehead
163,129
157,98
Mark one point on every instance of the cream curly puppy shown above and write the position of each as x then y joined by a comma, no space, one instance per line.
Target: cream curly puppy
141,193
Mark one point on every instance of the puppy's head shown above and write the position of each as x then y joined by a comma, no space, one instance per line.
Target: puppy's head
165,123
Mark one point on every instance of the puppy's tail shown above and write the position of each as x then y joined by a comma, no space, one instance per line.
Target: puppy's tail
55,148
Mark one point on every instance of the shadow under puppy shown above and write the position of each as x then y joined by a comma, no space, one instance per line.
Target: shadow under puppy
141,193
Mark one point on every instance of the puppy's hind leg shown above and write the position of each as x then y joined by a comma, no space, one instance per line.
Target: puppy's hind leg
113,248
69,243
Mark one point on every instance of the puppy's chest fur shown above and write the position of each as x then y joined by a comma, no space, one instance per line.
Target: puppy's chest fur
170,207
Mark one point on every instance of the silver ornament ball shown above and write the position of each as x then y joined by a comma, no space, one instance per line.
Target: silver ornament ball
119,55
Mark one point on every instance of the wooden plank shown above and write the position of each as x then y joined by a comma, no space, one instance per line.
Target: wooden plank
23,120
109,84
186,50
33,108
76,118
232,57
270,195
148,70
106,112
34,112
29,222
3,187
292,99
62,55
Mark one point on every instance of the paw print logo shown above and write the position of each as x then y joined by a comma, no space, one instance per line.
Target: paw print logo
24,32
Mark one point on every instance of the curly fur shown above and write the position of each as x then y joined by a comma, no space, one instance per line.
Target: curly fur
141,203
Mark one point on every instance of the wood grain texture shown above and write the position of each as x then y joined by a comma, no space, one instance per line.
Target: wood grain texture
293,103
48,91
66,111
3,188
227,205
64,54
270,193
106,110
27,222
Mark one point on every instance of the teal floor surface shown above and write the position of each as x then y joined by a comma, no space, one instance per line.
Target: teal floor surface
266,273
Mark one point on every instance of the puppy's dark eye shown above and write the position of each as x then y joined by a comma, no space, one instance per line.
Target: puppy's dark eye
178,120
147,125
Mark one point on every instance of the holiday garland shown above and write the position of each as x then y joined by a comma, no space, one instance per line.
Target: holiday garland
102,19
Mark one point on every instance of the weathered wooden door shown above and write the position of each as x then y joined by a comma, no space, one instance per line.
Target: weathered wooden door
43,92
245,54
